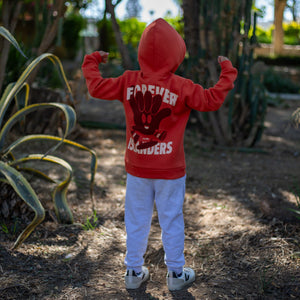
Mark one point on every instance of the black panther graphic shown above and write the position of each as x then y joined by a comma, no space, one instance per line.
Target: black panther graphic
147,118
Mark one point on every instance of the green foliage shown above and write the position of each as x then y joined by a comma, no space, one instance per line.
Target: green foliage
177,23
277,83
78,4
107,37
132,30
4,228
73,24
15,65
280,60
10,230
48,74
91,222
291,34
11,161
264,36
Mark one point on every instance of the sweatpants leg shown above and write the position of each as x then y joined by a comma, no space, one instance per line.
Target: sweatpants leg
169,198
139,203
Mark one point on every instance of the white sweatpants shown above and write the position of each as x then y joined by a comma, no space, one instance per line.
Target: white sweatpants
139,202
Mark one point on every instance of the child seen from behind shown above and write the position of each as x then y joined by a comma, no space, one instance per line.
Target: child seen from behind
157,106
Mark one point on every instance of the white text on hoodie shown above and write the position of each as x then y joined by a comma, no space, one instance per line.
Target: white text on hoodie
167,96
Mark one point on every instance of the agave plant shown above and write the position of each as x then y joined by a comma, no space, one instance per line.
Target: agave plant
13,166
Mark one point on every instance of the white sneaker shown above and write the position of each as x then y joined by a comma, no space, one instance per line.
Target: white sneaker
177,282
134,280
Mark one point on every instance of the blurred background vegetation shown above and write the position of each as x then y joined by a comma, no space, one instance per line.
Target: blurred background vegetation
267,56
291,33
227,27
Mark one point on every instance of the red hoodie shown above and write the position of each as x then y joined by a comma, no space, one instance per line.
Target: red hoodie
157,102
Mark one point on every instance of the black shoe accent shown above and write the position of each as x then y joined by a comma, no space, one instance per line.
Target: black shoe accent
135,274
175,275
186,275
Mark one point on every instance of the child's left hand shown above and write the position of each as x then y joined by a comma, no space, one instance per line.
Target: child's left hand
104,56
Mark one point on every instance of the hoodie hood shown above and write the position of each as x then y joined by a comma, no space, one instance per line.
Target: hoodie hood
161,48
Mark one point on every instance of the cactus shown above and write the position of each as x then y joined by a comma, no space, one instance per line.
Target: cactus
227,27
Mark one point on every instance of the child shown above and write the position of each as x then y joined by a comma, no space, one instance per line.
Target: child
157,106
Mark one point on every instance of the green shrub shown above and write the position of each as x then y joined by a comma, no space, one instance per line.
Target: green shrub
280,60
15,65
132,30
264,36
277,83
13,163
177,23
291,34
73,24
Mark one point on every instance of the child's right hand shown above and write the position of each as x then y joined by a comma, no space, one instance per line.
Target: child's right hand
222,58
104,56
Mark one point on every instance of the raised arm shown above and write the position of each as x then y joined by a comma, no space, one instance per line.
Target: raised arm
211,99
99,87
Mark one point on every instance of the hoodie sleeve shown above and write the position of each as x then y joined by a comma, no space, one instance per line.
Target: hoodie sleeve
99,87
211,99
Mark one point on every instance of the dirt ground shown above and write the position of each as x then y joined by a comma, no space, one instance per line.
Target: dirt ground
241,239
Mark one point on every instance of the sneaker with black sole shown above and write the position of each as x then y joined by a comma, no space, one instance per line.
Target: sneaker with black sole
177,282
134,280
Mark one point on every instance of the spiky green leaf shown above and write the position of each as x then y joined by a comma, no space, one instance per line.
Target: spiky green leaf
6,93
6,34
67,110
36,173
59,194
25,191
20,82
41,137
22,97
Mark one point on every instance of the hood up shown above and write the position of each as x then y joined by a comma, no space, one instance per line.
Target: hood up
161,48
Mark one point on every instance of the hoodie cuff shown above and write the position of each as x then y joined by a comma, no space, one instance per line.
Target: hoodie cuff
97,55
226,63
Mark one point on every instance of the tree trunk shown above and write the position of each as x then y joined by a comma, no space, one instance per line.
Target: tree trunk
10,13
49,34
191,17
191,26
222,27
278,31
126,61
52,27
